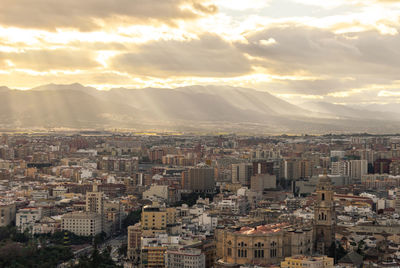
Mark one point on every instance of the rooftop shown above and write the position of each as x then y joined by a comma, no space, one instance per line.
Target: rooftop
263,229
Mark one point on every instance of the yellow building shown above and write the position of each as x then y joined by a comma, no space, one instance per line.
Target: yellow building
153,256
155,219
307,261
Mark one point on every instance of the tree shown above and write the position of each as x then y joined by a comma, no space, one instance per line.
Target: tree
97,260
336,251
123,249
132,218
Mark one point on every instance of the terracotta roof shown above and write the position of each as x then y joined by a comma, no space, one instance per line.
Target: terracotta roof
263,229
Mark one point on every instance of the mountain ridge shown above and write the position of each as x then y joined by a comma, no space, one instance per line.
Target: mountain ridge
215,108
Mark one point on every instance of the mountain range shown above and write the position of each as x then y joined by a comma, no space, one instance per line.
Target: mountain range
191,109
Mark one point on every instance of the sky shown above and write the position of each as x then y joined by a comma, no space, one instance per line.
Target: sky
339,51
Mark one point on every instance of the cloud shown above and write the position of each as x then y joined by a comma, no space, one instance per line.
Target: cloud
366,57
207,56
46,60
92,14
242,5
28,79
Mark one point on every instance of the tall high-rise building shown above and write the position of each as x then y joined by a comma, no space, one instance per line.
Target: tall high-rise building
354,169
263,167
324,216
241,173
134,243
382,166
95,204
394,167
291,169
95,201
306,168
358,168
199,179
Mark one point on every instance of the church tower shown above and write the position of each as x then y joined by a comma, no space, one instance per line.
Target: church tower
324,216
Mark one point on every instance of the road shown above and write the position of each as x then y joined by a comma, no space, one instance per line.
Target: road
114,242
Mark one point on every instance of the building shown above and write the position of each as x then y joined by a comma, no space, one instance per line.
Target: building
338,154
358,168
199,179
47,225
134,243
156,154
261,245
95,201
324,216
112,216
233,205
7,214
26,218
394,167
260,182
340,168
156,218
166,193
354,169
263,167
95,204
82,223
241,173
153,251
291,169
307,261
188,258
382,166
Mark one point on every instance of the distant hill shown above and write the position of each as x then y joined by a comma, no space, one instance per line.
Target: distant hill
193,108
344,111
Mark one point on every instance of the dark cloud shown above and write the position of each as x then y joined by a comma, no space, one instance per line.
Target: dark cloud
207,56
44,60
86,14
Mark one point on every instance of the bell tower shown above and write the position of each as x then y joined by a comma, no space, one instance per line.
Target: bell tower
324,216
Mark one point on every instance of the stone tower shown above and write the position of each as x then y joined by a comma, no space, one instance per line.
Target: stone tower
324,216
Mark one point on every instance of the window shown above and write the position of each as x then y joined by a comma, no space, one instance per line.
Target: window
273,250
323,197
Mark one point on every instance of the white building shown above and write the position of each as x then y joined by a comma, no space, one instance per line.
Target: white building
206,222
82,223
187,258
233,204
59,191
38,195
338,154
354,169
27,217
47,225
